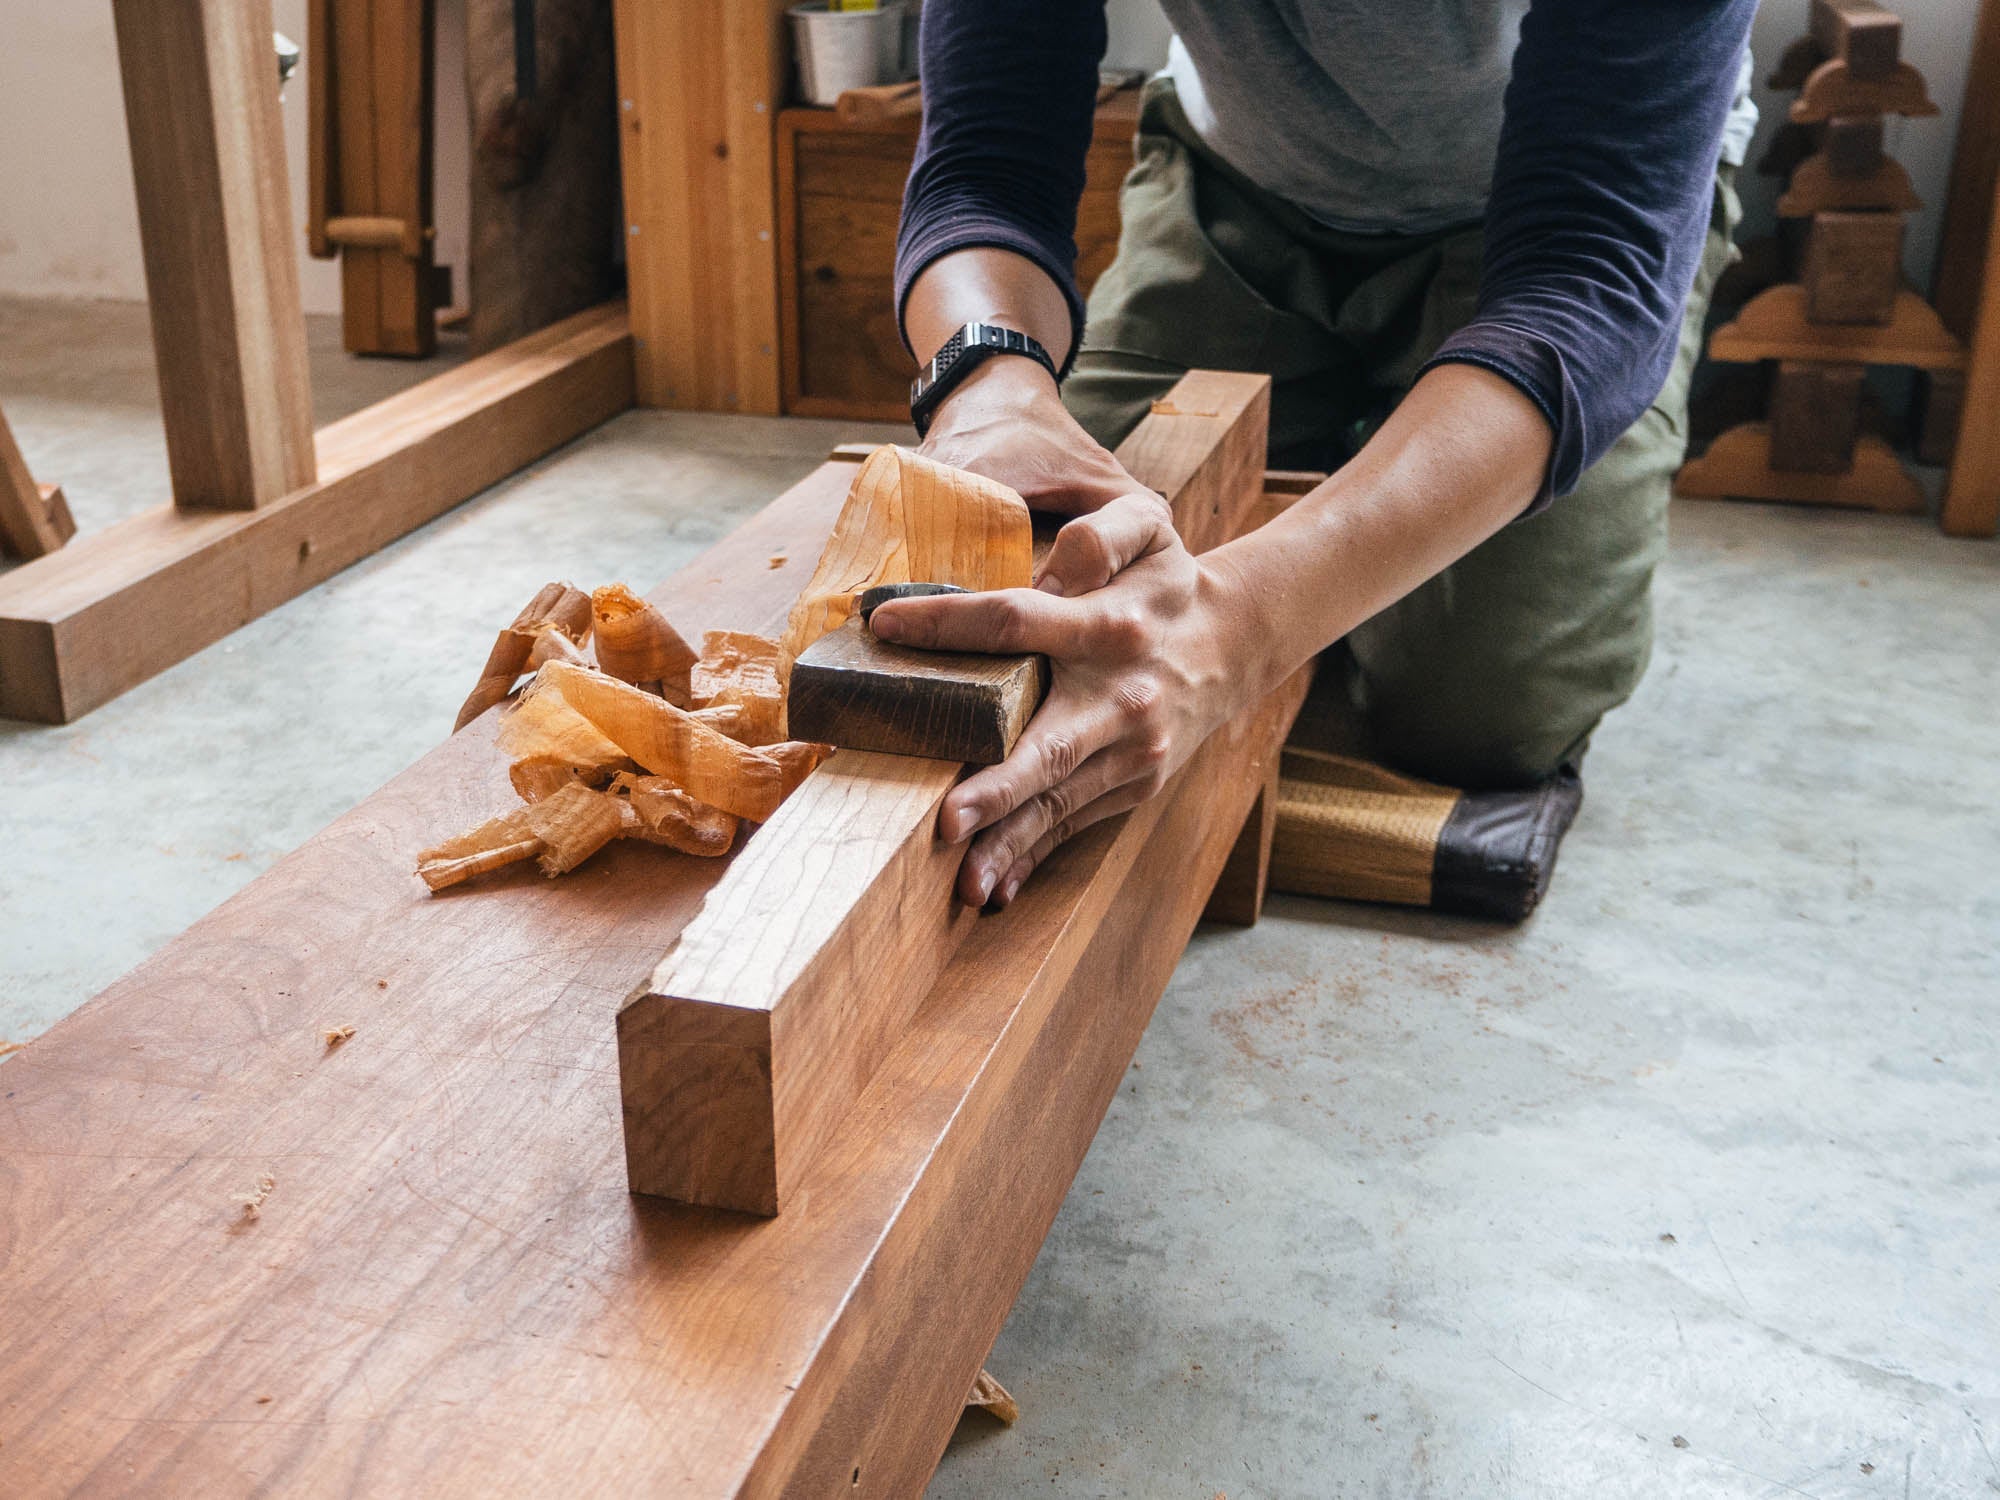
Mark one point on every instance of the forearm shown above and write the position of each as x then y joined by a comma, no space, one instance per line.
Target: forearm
987,285
1462,456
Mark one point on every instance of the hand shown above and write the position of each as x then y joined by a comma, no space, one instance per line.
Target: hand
1147,654
1007,422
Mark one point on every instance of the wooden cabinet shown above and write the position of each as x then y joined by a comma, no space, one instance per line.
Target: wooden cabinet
840,191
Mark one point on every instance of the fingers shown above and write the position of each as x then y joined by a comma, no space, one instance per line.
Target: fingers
1005,622
1053,748
1049,814
1092,550
1120,799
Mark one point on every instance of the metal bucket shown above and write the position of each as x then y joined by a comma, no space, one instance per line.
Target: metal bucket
846,49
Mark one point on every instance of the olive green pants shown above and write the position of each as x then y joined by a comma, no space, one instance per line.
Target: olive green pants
1495,672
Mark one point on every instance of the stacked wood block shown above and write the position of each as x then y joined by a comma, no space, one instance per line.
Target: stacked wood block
1848,308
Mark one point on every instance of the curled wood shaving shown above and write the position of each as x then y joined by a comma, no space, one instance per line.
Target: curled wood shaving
661,813
669,741
989,1394
572,825
493,845
558,608
333,1036
742,672
910,518
8,1049
252,1203
635,643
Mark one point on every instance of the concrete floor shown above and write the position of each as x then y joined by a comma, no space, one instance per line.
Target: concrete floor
1689,1187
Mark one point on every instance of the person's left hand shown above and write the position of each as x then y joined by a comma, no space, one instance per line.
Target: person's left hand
1149,650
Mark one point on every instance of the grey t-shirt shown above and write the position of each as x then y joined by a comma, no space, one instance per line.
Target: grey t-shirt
1370,115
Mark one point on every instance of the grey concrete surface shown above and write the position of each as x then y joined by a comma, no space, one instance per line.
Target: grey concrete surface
1706,1154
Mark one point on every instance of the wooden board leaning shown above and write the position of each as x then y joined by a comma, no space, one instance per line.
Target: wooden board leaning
447,1288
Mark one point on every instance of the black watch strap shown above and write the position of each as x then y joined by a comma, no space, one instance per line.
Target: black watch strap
963,353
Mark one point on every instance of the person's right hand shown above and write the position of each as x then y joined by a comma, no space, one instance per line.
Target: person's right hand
1007,422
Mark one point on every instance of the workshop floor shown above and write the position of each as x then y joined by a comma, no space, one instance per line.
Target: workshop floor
1689,1187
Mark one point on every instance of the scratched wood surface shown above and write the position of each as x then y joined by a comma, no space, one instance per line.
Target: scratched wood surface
446,1289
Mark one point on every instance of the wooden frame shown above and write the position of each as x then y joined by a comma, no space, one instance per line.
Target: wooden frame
263,508
441,1248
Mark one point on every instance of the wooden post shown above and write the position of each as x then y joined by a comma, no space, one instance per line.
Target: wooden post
1972,495
699,88
370,95
208,160
34,519
1968,285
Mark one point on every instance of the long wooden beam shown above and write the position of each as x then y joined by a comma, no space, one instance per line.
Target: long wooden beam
746,1050
445,1287
222,280
114,607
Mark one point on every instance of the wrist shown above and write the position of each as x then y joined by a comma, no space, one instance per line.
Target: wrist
1003,386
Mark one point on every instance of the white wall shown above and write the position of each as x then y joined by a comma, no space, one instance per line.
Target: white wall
68,224
68,227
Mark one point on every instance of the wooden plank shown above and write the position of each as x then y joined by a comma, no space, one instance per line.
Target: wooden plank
118,605
1853,267
447,1290
852,690
1860,33
1737,466
699,88
1815,416
34,519
222,282
1774,325
746,1051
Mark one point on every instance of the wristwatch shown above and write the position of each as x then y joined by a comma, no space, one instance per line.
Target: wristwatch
964,352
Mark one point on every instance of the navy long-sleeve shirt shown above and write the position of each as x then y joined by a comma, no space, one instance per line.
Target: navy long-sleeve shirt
1610,125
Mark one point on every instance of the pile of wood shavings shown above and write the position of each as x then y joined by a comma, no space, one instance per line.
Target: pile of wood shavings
624,731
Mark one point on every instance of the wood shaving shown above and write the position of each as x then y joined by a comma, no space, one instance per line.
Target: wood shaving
745,672
909,518
573,825
661,813
493,845
333,1036
252,1203
988,1394
669,741
8,1049
1164,408
635,643
559,608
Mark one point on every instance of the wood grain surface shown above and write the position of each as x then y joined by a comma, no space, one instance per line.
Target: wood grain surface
446,1289
746,1051
118,605
215,225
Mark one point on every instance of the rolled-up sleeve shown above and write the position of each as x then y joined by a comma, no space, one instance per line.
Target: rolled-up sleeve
1010,89
1600,206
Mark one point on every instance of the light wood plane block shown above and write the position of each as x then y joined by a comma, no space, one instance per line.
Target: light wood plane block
34,518
746,1052
850,689
1774,325
215,223
1737,466
116,606
447,1290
